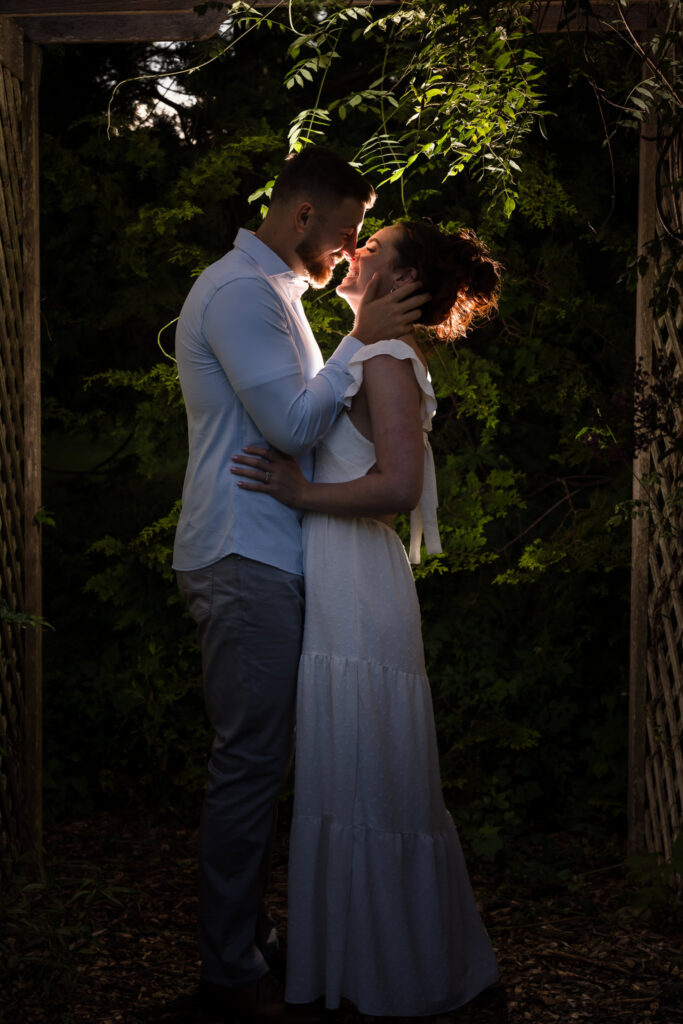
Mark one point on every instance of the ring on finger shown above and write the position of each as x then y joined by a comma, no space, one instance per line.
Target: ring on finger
267,475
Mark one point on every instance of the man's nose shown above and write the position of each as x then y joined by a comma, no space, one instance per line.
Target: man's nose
350,246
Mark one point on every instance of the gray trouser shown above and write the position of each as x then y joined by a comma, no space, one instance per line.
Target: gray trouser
249,623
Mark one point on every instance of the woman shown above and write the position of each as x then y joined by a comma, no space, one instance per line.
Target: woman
380,907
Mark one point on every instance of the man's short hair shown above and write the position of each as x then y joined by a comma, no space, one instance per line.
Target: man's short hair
317,173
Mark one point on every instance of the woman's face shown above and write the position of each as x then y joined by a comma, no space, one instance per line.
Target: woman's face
377,256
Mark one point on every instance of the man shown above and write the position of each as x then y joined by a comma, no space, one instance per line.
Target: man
252,373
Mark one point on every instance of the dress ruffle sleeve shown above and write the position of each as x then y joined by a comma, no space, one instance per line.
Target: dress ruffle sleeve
423,518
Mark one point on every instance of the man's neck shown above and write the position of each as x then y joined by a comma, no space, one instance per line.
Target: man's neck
276,239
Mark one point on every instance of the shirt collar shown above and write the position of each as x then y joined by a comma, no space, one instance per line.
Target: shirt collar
292,285
272,265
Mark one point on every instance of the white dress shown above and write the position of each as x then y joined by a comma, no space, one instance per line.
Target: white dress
381,911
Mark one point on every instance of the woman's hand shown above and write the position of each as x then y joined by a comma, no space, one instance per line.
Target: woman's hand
269,471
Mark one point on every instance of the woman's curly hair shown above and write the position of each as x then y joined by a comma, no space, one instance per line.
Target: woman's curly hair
458,272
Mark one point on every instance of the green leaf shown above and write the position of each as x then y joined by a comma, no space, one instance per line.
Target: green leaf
44,518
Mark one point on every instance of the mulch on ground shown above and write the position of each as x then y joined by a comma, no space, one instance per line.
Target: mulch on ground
109,936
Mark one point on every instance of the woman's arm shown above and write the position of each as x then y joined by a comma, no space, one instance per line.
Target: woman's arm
394,485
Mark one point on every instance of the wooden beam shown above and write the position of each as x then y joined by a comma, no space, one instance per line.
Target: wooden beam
551,16
121,28
548,15
57,8
353,3
12,47
33,694
121,21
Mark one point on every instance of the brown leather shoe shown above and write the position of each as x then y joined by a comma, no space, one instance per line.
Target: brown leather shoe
262,1000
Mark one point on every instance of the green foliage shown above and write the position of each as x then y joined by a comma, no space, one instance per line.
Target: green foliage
658,883
541,197
20,619
456,86
137,694
46,926
157,430
525,613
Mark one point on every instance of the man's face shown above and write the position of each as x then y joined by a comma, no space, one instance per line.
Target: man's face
331,234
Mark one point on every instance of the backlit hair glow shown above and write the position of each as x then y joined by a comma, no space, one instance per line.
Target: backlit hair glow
456,269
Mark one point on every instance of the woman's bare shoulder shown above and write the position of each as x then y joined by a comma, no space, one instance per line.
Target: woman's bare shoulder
412,342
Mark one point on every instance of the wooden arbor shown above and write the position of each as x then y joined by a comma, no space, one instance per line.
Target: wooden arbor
23,25
656,683
655,762
20,562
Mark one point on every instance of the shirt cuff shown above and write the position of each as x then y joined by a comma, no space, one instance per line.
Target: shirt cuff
346,348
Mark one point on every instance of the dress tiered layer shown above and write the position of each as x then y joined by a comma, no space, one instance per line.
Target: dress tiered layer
381,911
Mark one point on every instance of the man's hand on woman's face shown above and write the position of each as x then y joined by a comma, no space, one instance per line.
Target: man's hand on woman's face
391,316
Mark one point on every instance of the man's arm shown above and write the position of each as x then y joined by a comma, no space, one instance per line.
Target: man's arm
394,484
247,328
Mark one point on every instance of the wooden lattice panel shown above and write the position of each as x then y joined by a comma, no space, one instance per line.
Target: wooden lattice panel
663,753
12,650
664,680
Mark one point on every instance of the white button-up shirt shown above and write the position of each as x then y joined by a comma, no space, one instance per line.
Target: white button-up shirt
251,372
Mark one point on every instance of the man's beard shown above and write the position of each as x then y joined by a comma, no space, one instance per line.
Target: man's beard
318,271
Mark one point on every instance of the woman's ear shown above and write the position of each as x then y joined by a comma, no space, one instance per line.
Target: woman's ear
405,275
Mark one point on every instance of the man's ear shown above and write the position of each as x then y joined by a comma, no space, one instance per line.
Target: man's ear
302,216
405,275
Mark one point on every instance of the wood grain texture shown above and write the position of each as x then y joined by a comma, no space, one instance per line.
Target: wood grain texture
117,28
33,813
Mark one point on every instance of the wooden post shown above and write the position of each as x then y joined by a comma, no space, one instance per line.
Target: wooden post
32,462
641,525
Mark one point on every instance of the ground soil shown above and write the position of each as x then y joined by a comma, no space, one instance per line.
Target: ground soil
108,935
